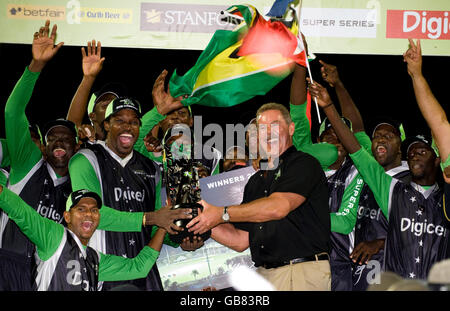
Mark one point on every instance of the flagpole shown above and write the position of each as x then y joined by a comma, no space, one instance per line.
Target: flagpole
307,62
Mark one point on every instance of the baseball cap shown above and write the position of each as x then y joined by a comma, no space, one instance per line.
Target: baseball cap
394,123
421,138
114,88
76,196
60,122
123,103
325,125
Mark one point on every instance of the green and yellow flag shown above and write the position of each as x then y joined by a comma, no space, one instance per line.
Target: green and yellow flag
223,77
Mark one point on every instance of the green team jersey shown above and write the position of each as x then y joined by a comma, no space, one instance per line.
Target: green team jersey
4,153
83,176
3,177
327,155
47,235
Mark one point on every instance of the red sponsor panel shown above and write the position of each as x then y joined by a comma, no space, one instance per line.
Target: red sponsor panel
418,24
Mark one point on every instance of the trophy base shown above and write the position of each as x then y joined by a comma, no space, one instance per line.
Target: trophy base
180,236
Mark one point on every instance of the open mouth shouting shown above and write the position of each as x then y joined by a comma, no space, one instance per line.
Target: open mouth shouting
126,140
59,152
87,226
381,150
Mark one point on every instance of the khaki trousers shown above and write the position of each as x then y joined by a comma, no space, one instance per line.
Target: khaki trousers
305,276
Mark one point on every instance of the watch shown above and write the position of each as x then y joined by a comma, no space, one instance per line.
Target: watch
225,215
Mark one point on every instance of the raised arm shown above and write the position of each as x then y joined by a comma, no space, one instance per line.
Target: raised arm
371,171
163,103
91,64
348,108
42,232
24,153
431,110
325,153
347,138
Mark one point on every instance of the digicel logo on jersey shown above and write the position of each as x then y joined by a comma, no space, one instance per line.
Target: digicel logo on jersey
417,24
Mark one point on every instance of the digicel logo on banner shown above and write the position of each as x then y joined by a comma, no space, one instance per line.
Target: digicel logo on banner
417,24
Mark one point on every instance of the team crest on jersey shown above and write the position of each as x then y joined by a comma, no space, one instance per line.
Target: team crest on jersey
278,174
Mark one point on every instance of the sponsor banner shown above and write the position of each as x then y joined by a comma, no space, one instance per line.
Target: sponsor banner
330,26
340,23
33,12
105,15
211,264
175,18
418,24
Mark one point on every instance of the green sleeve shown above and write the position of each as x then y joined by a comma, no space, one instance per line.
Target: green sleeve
345,219
117,268
4,153
149,120
24,154
374,175
302,133
3,177
325,153
82,176
364,141
44,233
158,205
446,163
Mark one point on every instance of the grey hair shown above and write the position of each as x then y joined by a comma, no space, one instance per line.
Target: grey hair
275,106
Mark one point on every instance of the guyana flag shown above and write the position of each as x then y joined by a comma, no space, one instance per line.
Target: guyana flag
240,64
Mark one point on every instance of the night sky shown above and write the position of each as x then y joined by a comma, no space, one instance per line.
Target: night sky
379,85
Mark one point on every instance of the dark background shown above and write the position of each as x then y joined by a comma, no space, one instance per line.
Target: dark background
378,84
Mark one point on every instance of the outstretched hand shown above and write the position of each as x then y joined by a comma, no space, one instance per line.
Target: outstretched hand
413,57
329,73
43,47
163,101
92,61
319,92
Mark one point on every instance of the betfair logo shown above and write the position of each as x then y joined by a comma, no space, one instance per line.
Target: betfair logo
153,16
35,12
13,11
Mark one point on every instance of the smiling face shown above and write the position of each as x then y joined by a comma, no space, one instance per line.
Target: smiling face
60,147
122,132
274,133
83,219
386,146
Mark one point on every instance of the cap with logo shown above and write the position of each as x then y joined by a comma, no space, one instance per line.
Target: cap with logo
422,138
60,122
123,103
325,125
75,197
394,123
114,88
